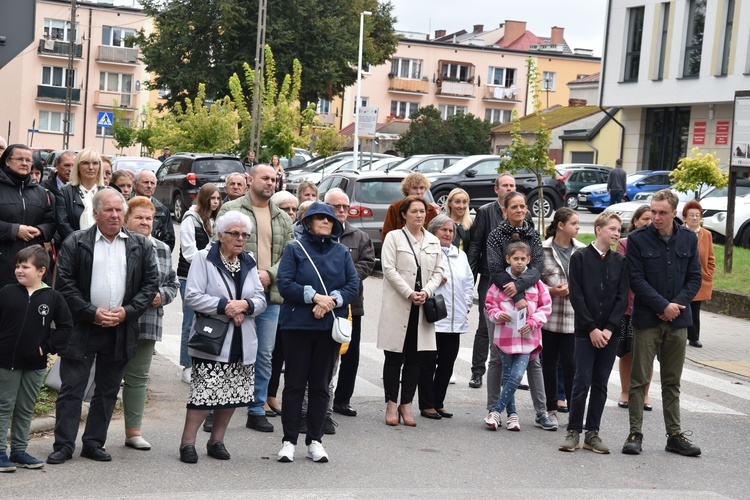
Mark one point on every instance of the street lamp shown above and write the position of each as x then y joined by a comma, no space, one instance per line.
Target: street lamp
357,103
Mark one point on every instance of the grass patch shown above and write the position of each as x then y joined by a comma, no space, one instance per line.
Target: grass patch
45,401
737,281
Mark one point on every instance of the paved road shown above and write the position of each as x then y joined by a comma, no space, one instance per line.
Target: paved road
456,458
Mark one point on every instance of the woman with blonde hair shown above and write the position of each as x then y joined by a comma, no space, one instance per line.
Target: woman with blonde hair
280,175
74,207
457,208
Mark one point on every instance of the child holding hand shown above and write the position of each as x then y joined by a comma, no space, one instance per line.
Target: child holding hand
518,341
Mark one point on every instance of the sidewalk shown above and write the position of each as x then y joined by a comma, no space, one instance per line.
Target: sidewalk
726,344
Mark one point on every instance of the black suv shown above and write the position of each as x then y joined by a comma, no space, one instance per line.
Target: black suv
182,175
476,175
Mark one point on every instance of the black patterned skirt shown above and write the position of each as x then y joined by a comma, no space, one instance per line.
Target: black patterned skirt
626,336
220,385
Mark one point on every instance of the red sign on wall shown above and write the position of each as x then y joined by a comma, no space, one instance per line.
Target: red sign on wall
699,133
722,133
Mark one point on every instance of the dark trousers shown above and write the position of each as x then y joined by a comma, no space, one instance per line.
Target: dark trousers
436,369
277,363
309,357
694,332
615,196
593,367
348,366
559,348
74,375
409,359
481,339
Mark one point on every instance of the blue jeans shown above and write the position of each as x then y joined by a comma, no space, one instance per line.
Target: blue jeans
187,324
265,329
514,366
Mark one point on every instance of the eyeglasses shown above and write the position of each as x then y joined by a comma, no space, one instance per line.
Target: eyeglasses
237,235
339,206
289,209
693,216
22,160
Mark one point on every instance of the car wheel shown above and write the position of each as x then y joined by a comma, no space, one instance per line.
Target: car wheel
548,206
572,202
743,240
441,198
179,208
596,210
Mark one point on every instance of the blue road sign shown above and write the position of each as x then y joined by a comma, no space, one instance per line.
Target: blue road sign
105,119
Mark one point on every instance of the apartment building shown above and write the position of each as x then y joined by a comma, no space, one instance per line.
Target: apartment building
673,68
107,75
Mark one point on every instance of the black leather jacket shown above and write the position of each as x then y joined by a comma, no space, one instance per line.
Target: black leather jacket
68,210
363,255
488,217
74,278
163,229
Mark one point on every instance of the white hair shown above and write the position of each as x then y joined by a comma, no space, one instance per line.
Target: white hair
237,174
334,191
233,217
142,171
107,192
283,197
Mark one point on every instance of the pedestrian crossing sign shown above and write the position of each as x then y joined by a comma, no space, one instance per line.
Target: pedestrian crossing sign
105,119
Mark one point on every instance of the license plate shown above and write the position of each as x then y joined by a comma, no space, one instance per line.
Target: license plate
219,184
582,197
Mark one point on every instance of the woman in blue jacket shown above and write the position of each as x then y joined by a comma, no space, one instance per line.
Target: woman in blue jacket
305,323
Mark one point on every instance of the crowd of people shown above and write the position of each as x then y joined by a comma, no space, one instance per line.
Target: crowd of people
272,283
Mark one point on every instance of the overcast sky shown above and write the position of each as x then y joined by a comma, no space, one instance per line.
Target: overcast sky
583,20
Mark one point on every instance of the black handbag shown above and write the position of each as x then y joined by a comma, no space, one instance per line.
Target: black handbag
210,332
434,307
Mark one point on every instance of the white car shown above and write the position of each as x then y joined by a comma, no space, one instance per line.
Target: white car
626,209
715,219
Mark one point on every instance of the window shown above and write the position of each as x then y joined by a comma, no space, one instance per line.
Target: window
55,76
407,68
727,38
366,68
582,157
448,110
58,29
666,137
635,35
108,131
663,40
694,40
365,102
324,106
117,37
487,167
163,93
53,121
497,115
549,80
404,109
456,72
505,77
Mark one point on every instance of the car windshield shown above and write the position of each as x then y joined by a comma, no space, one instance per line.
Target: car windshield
461,165
635,178
717,193
385,163
408,163
137,164
215,166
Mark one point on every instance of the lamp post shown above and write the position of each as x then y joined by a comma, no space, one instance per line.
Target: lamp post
359,85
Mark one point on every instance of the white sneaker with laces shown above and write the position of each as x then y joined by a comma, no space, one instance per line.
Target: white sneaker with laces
286,454
316,452
493,420
513,424
187,373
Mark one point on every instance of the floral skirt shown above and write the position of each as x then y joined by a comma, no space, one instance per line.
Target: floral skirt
220,385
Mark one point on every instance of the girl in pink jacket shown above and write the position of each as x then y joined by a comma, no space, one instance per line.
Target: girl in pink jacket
518,333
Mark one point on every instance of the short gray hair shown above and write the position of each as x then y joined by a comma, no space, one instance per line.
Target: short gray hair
438,222
141,171
334,191
233,217
105,193
303,208
237,174
283,197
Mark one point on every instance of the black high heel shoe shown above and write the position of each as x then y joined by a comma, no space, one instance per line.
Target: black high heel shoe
444,414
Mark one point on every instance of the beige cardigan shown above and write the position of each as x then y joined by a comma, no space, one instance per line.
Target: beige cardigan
400,273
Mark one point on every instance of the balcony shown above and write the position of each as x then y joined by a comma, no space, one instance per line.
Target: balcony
57,48
462,90
326,118
47,93
495,93
408,85
104,99
117,55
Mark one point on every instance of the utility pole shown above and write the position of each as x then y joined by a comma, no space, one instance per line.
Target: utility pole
260,65
69,80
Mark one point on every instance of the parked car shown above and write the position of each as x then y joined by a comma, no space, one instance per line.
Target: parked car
383,164
313,163
181,176
626,209
714,205
595,198
316,171
370,195
476,174
579,175
41,155
135,163
426,164
300,157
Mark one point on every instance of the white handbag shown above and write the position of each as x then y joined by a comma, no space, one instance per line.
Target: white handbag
342,328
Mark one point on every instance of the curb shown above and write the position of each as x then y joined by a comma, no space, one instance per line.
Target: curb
729,304
47,424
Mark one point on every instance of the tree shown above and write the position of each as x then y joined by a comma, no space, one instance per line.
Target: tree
469,135
199,41
698,172
328,141
531,157
429,134
124,134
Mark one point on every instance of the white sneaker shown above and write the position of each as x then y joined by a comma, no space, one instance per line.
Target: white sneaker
493,420
553,417
453,379
513,424
286,454
187,373
316,452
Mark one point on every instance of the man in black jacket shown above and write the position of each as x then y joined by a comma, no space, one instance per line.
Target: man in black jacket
665,275
145,184
61,175
108,277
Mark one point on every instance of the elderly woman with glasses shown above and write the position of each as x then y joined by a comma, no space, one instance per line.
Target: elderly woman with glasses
222,284
692,212
287,202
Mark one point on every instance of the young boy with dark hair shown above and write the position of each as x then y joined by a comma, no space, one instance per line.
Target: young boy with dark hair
598,284
27,310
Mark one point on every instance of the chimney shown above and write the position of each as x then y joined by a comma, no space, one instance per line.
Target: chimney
576,103
513,31
478,28
439,34
557,35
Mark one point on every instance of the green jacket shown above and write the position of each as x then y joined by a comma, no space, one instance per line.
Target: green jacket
281,236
